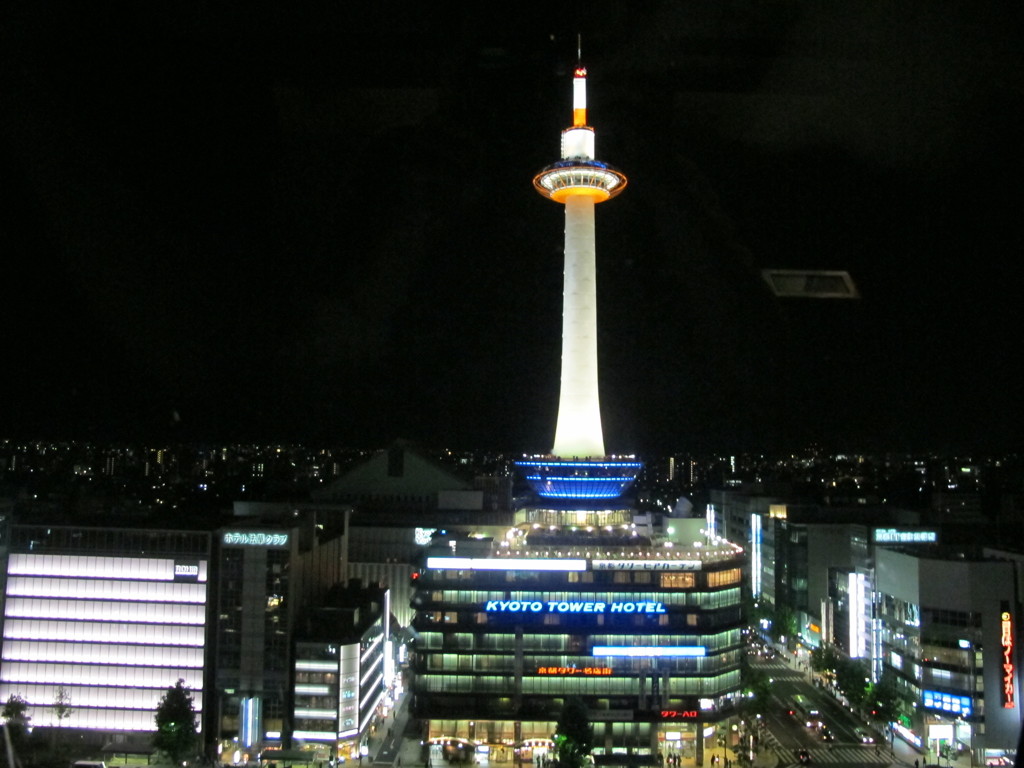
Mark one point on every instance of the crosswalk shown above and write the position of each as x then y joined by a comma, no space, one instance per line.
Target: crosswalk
779,669
854,755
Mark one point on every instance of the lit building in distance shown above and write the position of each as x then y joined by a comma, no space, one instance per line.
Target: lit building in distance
341,668
255,608
579,597
113,616
947,631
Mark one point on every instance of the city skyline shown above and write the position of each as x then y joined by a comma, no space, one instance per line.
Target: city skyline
278,231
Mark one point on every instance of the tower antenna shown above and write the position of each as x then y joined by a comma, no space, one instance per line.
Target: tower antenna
579,48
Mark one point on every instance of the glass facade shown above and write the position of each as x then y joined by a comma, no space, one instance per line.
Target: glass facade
503,649
253,625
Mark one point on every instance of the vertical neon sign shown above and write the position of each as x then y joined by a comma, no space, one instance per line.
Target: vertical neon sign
1006,642
755,555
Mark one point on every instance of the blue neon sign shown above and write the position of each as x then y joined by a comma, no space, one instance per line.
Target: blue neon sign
635,651
948,702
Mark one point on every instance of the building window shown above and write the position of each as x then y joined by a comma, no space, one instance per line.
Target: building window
678,580
724,578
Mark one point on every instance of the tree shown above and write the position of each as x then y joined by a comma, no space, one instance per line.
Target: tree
61,707
852,680
757,690
574,735
884,700
176,726
825,659
15,717
784,625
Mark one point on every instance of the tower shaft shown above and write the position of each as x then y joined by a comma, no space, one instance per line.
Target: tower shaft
578,430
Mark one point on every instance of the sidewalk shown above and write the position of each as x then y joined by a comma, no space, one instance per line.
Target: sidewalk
766,758
391,745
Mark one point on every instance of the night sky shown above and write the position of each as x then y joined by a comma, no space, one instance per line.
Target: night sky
315,222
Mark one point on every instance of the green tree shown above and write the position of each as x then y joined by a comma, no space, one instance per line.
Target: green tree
574,735
62,709
757,690
884,700
852,680
784,624
176,726
824,658
16,718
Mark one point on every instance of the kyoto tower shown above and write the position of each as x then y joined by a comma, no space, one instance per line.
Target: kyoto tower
579,468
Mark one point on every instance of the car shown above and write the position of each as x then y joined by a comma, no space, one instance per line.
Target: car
863,735
803,756
826,733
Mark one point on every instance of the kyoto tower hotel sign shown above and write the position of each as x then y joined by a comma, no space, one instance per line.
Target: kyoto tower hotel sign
578,468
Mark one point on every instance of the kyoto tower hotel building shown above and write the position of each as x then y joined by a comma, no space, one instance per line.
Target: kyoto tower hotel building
581,597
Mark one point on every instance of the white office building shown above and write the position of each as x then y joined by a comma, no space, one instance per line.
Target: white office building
108,618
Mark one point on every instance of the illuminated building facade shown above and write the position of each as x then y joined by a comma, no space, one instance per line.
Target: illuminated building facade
949,634
646,630
578,597
342,668
254,616
115,617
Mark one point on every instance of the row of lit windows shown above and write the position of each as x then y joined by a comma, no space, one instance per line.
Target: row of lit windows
103,653
576,686
107,589
105,610
42,714
539,643
94,566
573,620
724,578
96,674
82,698
102,632
664,579
461,662
932,677
962,659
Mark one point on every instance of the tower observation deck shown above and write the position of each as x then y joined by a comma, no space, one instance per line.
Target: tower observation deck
578,181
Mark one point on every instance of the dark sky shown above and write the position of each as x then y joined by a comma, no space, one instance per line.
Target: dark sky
316,223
